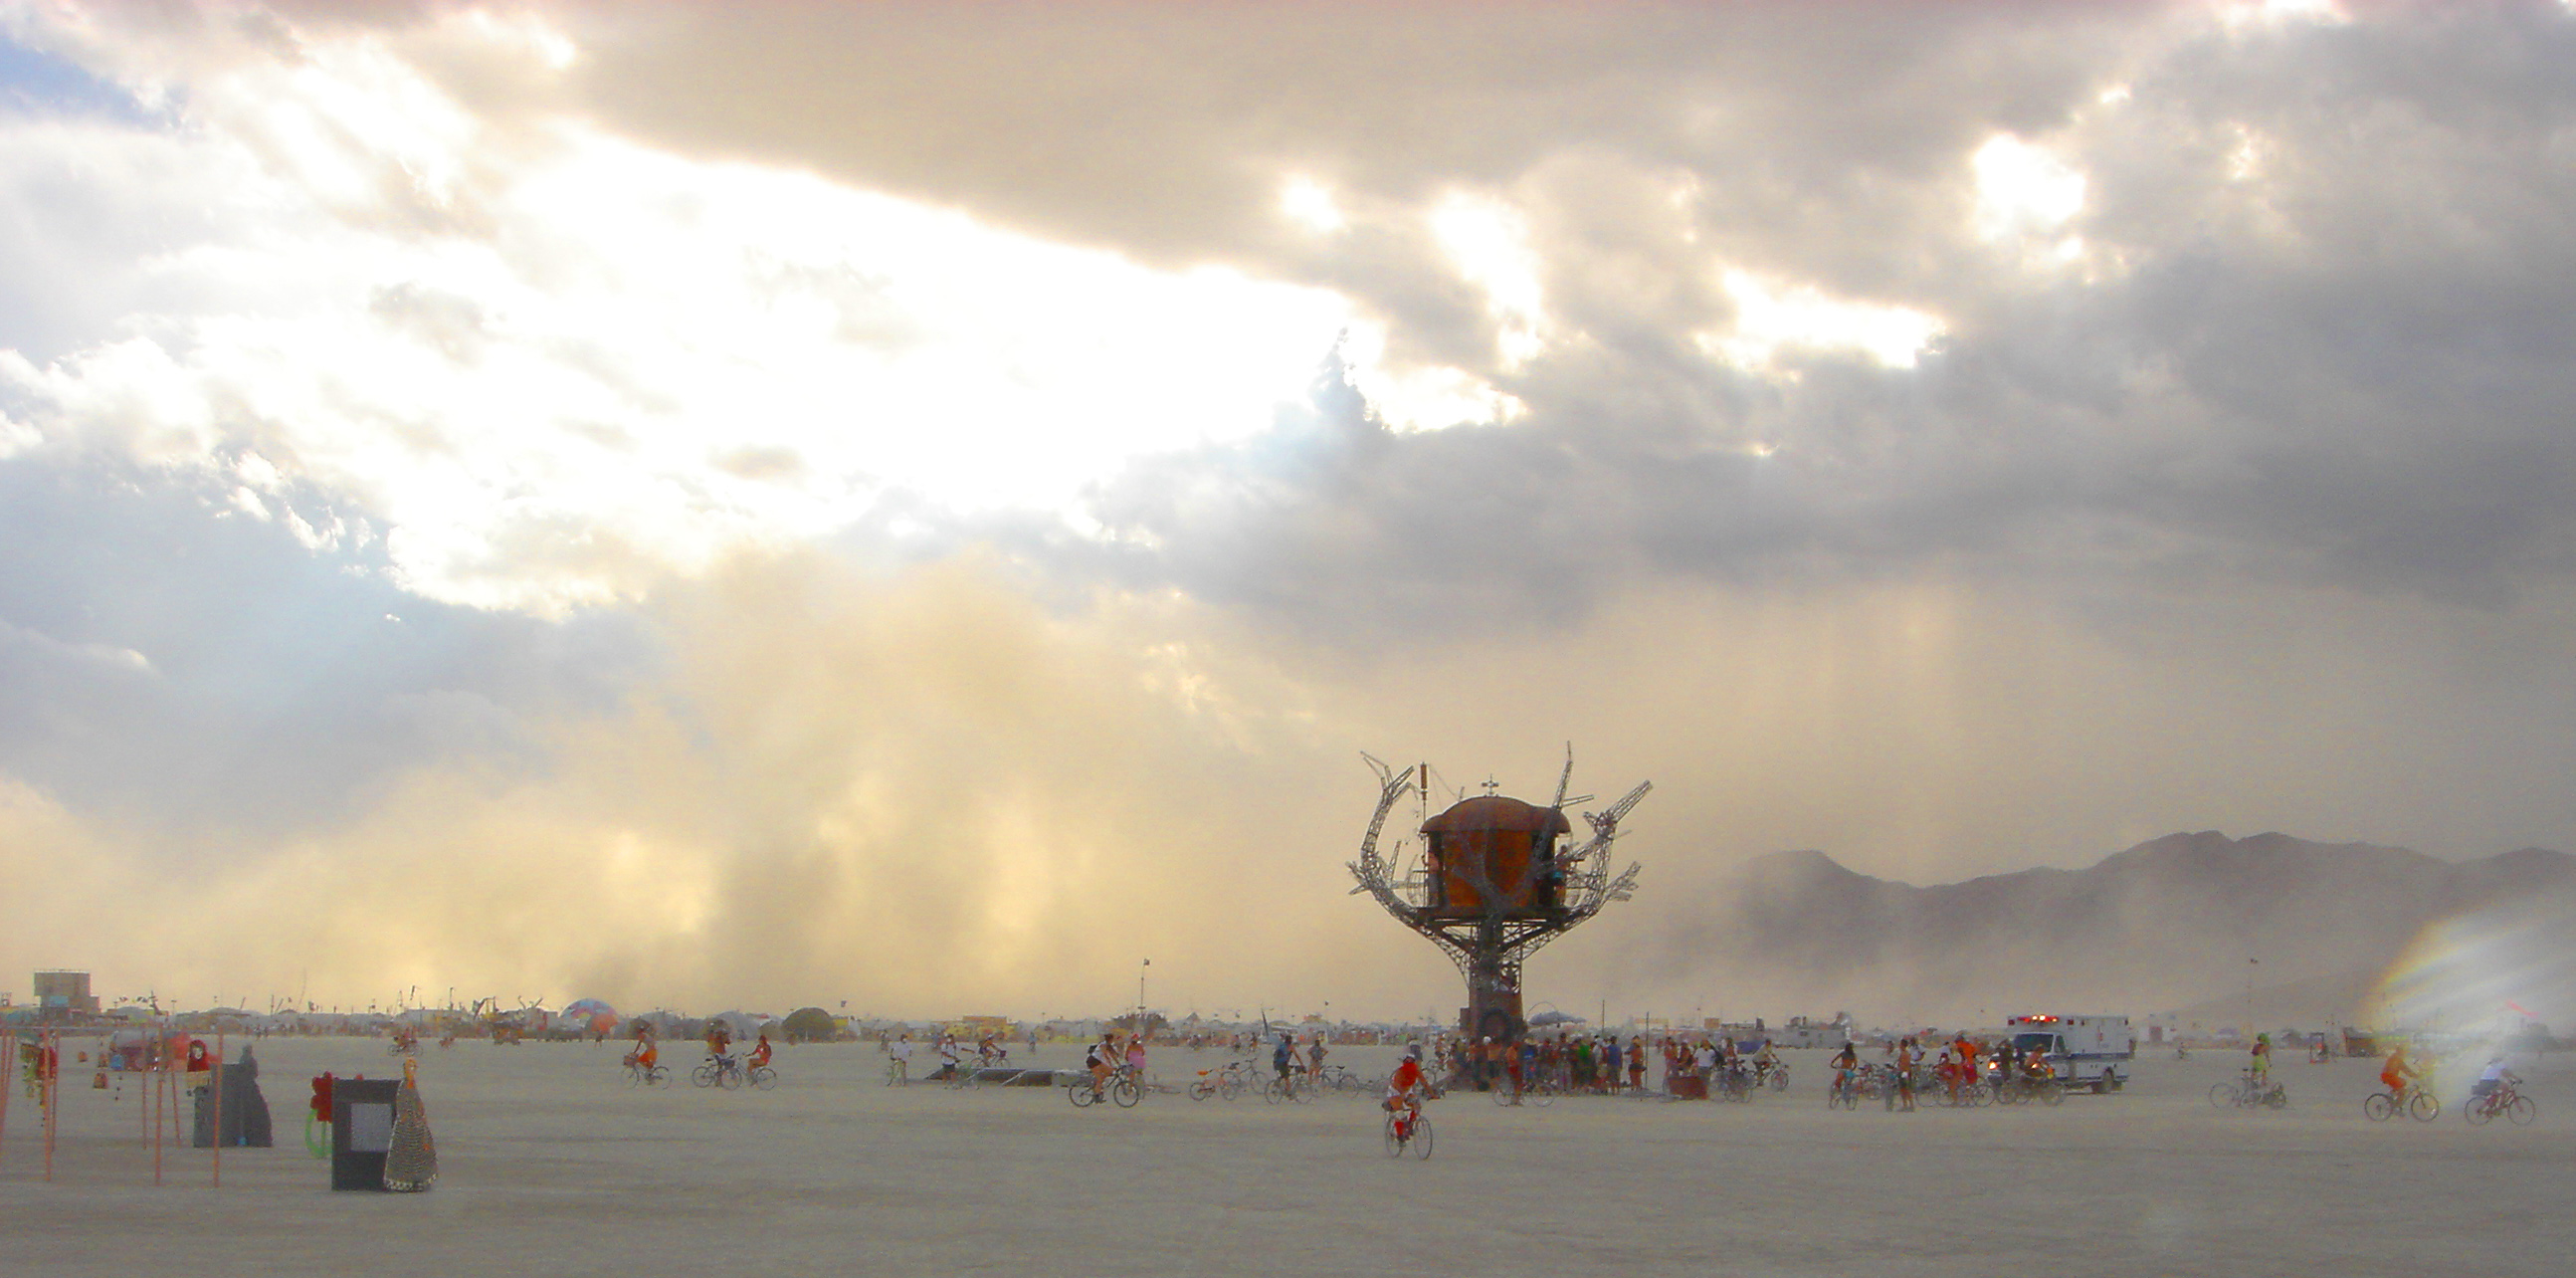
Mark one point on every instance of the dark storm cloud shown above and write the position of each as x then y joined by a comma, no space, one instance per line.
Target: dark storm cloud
2335,350
168,656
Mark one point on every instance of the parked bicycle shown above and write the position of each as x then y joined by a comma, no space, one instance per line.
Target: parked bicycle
1226,1081
2244,1093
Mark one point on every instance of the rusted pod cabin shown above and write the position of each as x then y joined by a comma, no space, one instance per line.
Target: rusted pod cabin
1492,850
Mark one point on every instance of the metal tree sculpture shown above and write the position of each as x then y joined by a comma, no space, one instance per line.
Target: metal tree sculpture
1490,943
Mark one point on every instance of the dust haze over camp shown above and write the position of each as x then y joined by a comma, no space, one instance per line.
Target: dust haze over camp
926,505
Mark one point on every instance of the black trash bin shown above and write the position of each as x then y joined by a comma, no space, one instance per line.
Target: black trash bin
362,1129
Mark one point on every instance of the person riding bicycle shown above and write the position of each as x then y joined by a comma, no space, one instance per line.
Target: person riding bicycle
1765,1061
1101,1060
647,1052
1845,1062
719,1037
760,1052
1405,1090
2397,1072
2259,1062
2492,1079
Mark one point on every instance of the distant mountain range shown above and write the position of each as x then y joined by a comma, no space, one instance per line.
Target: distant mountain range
2165,927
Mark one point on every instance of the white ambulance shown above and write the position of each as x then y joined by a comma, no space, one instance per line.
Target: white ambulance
2086,1051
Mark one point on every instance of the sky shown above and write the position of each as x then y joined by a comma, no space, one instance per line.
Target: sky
923,506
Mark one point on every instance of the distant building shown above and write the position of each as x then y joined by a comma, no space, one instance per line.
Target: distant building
65,991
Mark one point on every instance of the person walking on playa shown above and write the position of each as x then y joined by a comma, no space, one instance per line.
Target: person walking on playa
1283,1059
1136,1058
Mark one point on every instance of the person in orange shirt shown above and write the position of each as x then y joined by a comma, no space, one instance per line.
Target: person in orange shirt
647,1053
2397,1073
1405,1089
760,1051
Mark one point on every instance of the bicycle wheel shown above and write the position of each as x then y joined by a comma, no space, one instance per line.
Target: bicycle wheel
1421,1138
1126,1093
2424,1107
2378,1107
1273,1091
1202,1089
2222,1095
1079,1092
1780,1079
1394,1136
764,1078
2480,1111
2522,1112
728,1080
2277,1098
1542,1095
704,1075
1503,1096
634,1075
1231,1088
2052,1092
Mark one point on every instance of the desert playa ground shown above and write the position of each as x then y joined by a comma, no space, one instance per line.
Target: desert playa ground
550,1166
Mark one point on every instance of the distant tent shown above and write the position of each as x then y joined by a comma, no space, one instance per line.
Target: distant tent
810,1025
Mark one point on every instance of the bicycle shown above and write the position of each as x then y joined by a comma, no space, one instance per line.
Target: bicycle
1408,1128
722,1072
1844,1091
1121,1090
638,1076
2506,1100
898,1071
1286,1089
1225,1080
2245,1093
2022,1088
2410,1100
761,1077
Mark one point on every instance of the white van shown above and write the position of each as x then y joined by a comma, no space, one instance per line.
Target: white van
2085,1051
